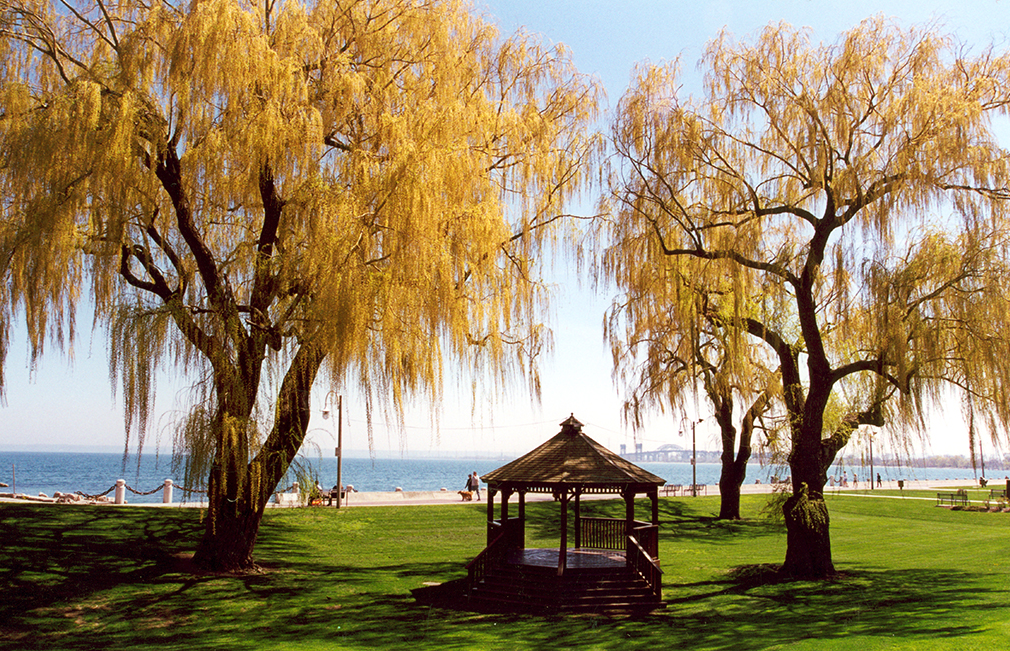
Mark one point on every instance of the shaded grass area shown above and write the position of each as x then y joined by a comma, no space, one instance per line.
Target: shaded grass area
912,576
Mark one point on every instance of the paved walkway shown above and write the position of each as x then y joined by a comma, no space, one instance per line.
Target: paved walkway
417,498
436,497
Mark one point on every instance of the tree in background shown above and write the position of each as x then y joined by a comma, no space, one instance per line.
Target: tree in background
663,354
853,197
260,193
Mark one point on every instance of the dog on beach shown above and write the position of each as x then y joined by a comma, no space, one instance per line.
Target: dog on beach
466,495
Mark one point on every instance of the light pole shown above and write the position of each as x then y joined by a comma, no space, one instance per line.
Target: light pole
340,440
873,479
694,453
981,457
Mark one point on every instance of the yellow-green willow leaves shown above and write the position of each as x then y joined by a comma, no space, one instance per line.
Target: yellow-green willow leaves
361,187
840,207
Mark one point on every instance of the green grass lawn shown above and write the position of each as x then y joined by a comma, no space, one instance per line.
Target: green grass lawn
913,577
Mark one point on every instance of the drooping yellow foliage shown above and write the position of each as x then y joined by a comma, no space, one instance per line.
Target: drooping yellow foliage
405,143
842,206
362,184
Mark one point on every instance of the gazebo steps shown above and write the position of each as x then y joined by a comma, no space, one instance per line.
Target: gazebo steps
529,589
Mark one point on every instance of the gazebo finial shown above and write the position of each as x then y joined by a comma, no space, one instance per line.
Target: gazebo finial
571,426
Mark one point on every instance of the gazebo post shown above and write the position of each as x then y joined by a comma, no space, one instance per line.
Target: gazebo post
491,490
629,511
578,518
654,496
506,493
563,552
521,539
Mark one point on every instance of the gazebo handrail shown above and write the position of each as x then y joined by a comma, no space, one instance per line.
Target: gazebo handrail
639,560
492,555
647,536
611,533
603,533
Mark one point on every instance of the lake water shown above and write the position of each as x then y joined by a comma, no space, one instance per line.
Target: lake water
94,473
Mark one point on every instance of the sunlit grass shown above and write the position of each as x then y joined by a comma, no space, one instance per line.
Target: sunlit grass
913,576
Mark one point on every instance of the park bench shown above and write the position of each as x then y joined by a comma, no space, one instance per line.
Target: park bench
700,489
995,495
671,488
334,494
958,498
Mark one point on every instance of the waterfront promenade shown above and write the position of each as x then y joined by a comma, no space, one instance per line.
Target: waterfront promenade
417,498
437,497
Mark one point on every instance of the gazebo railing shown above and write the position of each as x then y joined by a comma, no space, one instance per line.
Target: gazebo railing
493,556
612,533
603,533
643,563
648,536
512,527
505,536
494,529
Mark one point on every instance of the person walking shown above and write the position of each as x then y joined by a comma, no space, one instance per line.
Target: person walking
473,484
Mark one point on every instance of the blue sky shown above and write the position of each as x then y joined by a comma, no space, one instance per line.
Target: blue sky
66,405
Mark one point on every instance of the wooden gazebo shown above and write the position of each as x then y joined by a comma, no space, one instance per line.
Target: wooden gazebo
613,563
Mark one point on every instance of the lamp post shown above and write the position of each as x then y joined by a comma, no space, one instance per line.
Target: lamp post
694,453
981,457
340,441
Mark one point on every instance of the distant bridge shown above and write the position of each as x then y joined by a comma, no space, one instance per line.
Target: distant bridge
664,453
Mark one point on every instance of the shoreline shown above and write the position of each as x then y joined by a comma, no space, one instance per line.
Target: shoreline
420,498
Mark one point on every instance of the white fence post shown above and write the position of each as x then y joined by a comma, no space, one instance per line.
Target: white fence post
166,496
120,491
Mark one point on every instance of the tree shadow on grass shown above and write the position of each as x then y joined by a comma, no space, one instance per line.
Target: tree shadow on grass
53,556
75,554
746,610
679,520
51,553
755,607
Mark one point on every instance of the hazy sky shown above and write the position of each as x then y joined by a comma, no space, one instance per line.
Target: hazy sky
72,405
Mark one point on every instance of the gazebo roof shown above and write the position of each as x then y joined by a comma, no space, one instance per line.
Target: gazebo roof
571,457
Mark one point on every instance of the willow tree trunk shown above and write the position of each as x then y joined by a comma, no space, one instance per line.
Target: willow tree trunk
808,543
730,480
231,526
734,463
729,490
734,466
239,487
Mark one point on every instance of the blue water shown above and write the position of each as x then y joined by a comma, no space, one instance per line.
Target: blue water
94,473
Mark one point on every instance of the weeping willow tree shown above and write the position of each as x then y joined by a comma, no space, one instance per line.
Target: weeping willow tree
666,351
269,194
853,197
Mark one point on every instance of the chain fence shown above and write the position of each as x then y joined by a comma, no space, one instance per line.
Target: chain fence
133,490
103,496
